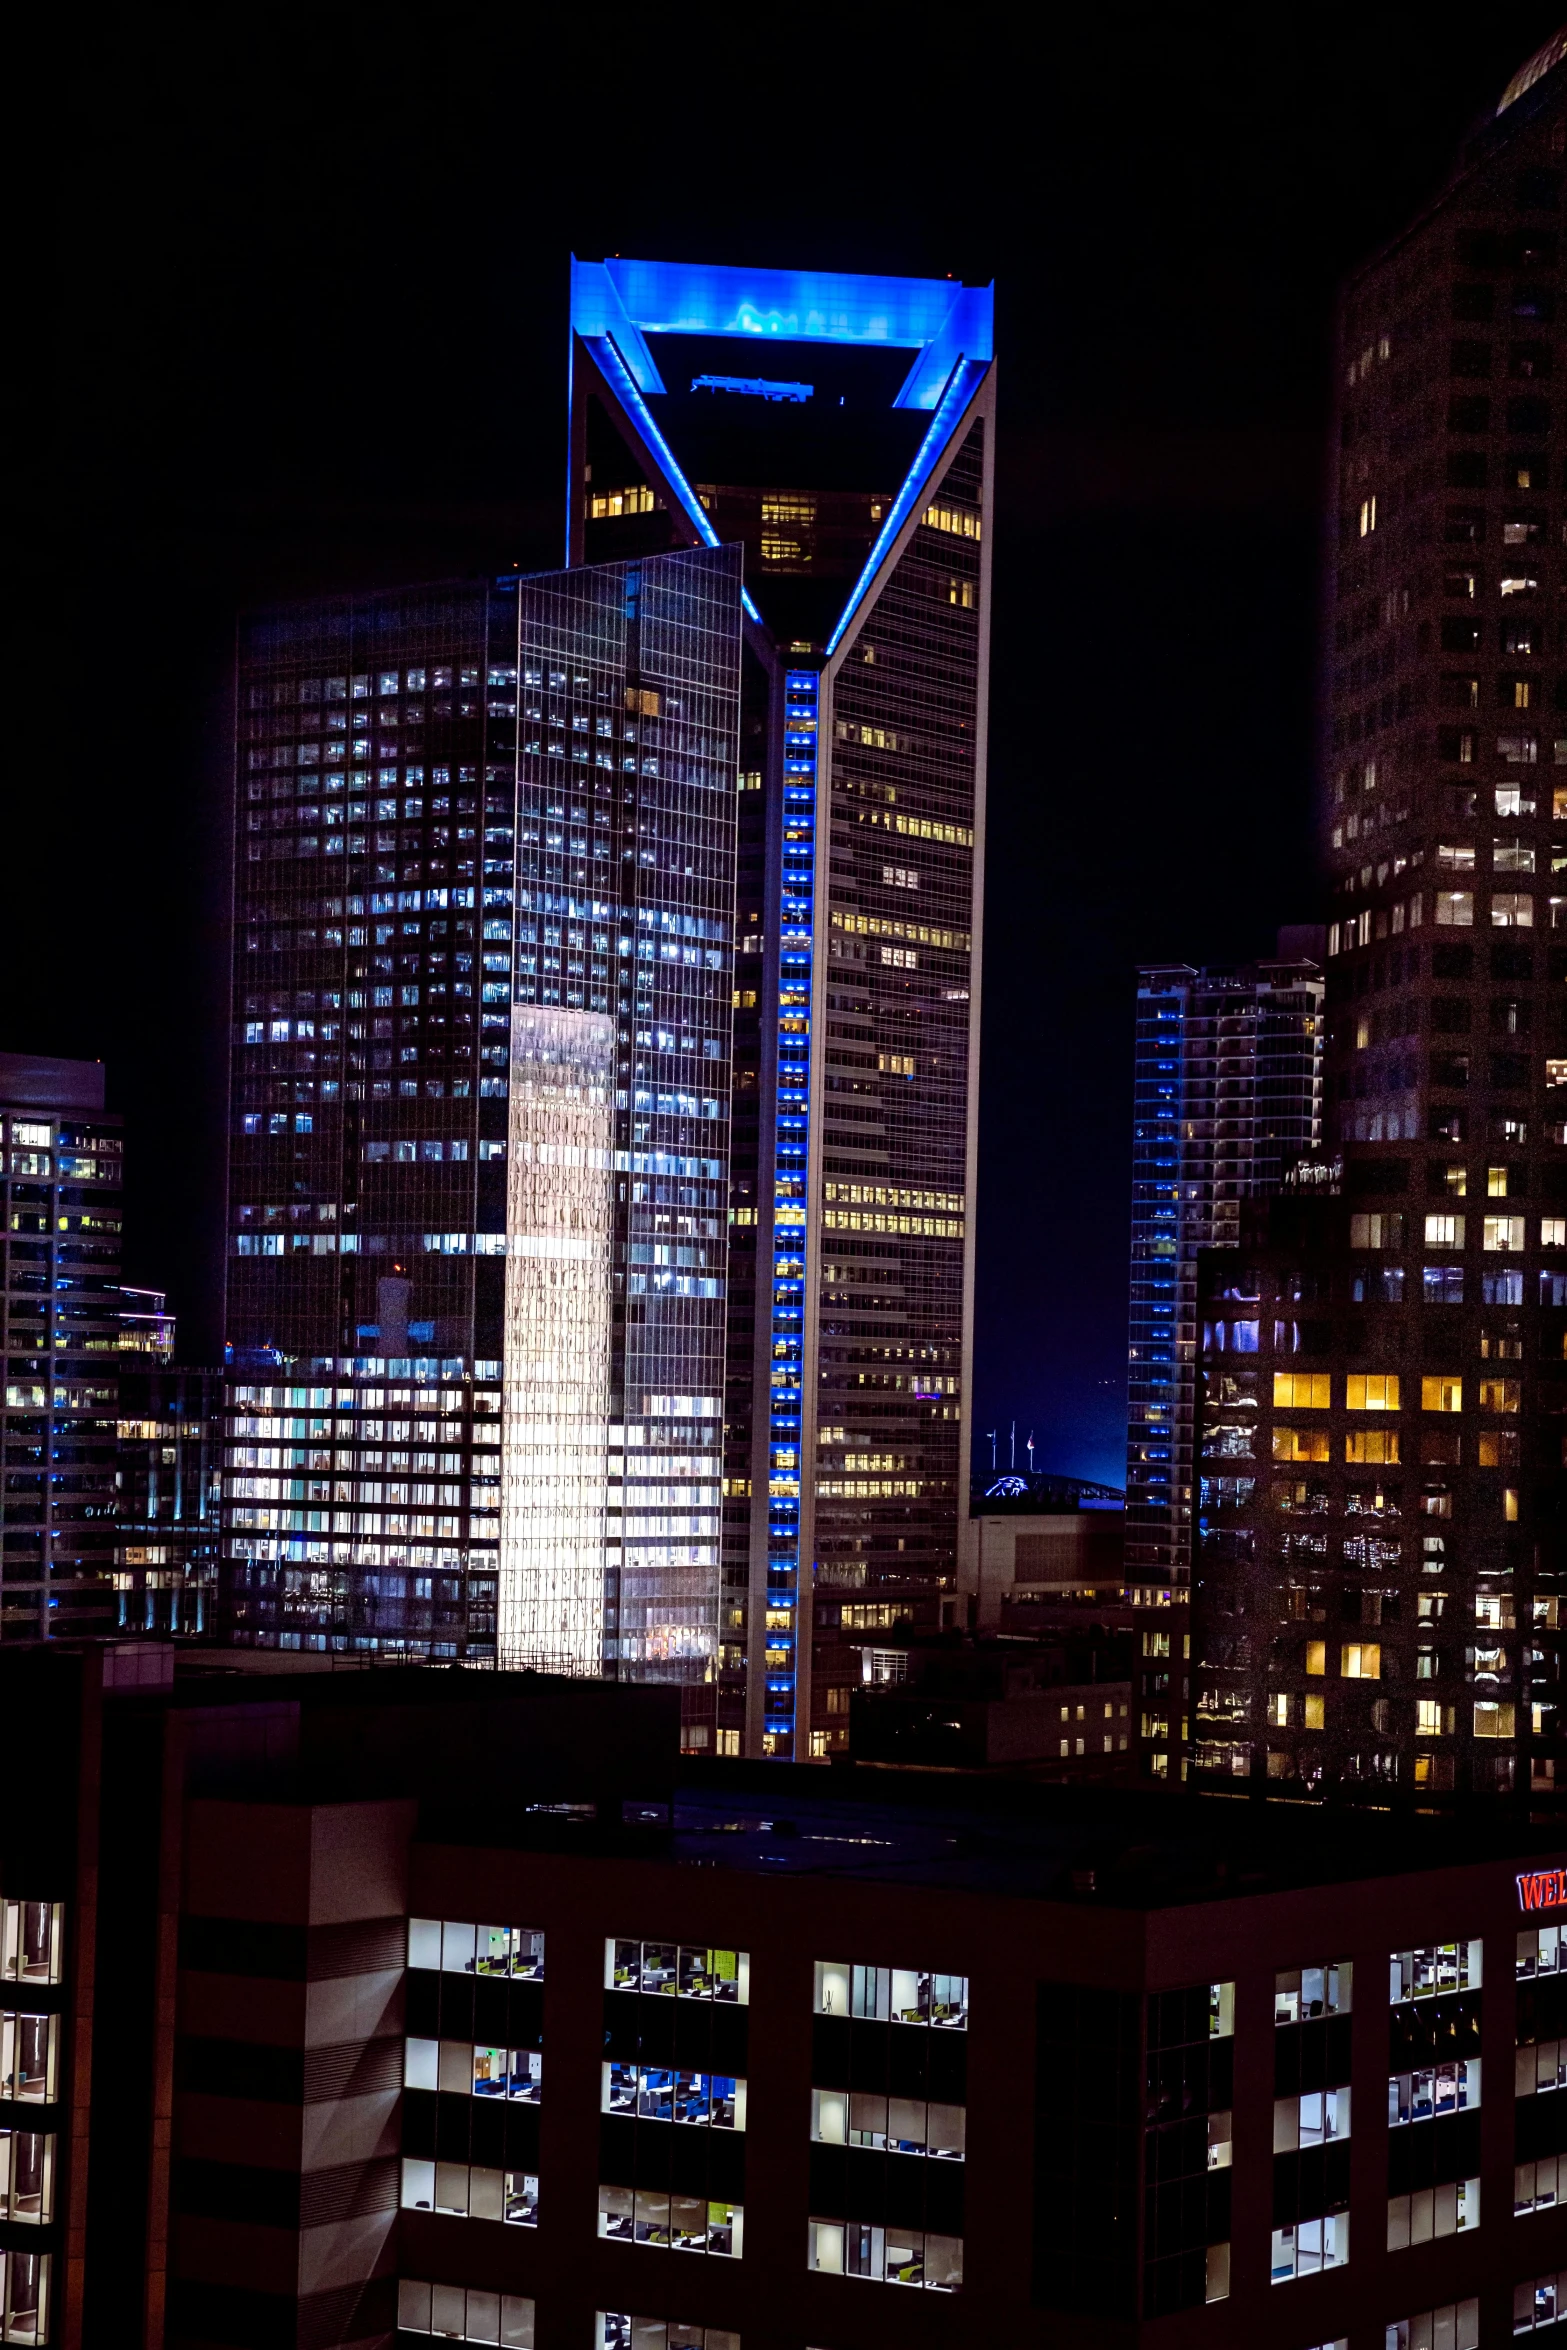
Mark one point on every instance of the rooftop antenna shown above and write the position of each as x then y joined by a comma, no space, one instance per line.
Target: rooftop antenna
1014,1445
991,1433
1030,1451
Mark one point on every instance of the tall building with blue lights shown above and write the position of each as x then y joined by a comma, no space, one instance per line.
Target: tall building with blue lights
1227,1097
840,429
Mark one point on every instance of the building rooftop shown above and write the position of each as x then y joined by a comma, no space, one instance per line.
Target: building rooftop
36,1081
1119,1848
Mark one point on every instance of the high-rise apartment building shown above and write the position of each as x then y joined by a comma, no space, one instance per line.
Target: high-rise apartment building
60,1189
854,465
479,1163
1381,1561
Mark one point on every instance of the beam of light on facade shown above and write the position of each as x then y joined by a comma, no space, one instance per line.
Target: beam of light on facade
965,379
556,1400
619,375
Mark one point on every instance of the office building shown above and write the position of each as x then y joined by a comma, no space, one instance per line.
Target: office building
1227,1097
320,2027
1386,1497
854,466
169,1455
485,880
60,1189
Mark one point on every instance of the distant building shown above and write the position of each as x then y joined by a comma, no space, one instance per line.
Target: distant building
60,1191
1227,1097
1035,1539
1382,1578
1060,1709
170,1453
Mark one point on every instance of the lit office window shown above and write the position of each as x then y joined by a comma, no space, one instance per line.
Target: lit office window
684,1970
27,2175
1433,2093
457,1948
24,2296
900,1995
29,2057
30,1941
615,2329
459,2313
462,2191
680,2223
887,2256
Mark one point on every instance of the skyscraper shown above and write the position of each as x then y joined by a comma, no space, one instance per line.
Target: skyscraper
60,1189
1381,1563
1227,1096
856,471
479,1166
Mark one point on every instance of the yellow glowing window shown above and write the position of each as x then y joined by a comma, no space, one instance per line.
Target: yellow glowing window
1500,1395
1372,1444
603,504
1311,1708
1361,1660
1316,1658
1371,1391
1493,1721
958,520
1300,1444
1428,1717
1441,1395
1510,1504
1302,1391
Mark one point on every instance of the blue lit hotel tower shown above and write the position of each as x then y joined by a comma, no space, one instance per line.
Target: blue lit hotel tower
841,429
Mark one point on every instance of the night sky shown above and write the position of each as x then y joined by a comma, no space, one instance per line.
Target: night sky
305,330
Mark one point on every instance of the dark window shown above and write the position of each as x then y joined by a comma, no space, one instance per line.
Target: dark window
1470,359
1452,962
1476,302
1087,2102
1532,418
1466,470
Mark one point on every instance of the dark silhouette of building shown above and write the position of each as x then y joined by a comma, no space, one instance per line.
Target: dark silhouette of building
1380,1547
357,2005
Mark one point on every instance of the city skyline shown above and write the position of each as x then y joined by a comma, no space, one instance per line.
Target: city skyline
1151,505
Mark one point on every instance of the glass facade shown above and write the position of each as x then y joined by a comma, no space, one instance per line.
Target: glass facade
860,836
170,1451
1388,1518
478,822
1227,1097
60,1190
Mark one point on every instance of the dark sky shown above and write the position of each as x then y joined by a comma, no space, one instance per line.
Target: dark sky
303,327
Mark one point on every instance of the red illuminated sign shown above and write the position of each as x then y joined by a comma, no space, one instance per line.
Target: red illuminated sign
1543,1889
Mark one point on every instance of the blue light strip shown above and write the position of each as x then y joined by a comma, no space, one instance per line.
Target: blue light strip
965,377
618,374
788,1574
768,305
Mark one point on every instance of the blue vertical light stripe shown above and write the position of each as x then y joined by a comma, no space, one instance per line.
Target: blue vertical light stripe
788,1573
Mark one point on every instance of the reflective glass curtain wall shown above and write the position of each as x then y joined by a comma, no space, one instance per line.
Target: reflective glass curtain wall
626,816
394,817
